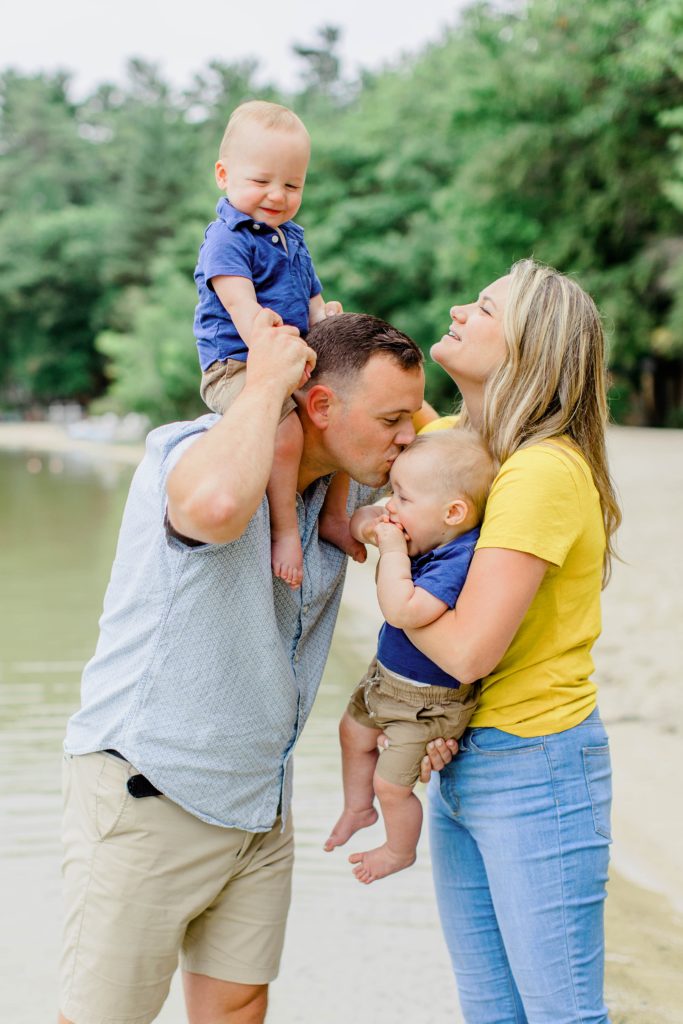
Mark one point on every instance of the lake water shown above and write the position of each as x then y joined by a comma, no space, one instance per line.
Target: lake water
352,952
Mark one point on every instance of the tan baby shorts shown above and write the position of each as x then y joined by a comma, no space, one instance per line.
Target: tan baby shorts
222,383
410,716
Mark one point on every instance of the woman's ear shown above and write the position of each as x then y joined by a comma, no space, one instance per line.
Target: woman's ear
458,512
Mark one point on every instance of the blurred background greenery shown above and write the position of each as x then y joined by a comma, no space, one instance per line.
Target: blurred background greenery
551,129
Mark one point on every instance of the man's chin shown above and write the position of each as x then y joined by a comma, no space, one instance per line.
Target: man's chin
368,478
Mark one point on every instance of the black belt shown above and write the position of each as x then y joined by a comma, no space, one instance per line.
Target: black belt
137,785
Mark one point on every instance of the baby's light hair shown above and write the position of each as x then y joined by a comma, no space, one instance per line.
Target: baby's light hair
272,116
466,468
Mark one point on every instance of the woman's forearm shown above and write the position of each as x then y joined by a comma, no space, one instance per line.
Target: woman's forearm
469,641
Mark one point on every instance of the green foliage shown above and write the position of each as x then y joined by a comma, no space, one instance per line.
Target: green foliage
541,128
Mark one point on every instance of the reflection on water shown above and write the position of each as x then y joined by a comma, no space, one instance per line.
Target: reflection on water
352,952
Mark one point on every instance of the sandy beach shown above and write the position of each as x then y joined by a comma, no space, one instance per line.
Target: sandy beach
638,665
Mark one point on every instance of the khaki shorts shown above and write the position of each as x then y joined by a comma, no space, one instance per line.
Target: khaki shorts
145,882
222,383
410,716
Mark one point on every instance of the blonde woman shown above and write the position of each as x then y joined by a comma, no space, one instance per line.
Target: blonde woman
519,819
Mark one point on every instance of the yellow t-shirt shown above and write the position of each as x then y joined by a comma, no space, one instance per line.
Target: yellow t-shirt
543,501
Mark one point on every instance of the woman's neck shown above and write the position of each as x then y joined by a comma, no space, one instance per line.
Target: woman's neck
473,400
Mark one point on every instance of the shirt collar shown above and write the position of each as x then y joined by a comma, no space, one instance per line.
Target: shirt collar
468,539
236,219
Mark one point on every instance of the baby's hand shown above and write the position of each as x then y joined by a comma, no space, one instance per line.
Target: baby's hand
390,537
333,308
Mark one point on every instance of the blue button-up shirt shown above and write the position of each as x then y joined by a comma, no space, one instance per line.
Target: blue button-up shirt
441,572
206,667
235,245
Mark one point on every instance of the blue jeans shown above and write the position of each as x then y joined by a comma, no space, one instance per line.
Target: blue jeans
520,833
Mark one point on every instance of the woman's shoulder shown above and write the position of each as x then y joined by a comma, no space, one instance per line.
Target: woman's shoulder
442,423
554,458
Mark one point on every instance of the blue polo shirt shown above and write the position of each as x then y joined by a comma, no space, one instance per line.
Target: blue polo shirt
235,245
440,572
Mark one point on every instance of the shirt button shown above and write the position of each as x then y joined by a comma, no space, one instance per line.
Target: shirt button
256,227
275,239
296,656
306,608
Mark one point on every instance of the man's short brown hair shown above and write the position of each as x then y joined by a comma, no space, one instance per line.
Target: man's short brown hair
345,343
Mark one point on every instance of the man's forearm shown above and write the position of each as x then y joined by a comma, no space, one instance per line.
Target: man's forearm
220,481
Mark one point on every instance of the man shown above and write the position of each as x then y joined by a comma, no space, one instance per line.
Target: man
204,674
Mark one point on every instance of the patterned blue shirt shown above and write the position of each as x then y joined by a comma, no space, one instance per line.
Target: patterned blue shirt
206,667
441,572
237,245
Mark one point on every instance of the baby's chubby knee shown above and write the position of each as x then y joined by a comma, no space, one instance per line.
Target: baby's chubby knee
390,792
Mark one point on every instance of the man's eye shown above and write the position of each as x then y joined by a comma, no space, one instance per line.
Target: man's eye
391,421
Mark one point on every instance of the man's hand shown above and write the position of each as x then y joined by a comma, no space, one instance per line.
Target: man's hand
278,353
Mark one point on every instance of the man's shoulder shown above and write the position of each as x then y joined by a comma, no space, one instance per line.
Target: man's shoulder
164,440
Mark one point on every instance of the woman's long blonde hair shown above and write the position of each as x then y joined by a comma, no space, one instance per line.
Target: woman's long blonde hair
553,381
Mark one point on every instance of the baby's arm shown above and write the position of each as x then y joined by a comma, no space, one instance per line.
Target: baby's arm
403,604
237,295
318,309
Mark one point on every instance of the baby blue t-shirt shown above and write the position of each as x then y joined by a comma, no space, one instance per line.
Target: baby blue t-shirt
441,572
235,245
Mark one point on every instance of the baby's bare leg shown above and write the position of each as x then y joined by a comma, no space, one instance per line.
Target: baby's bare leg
359,757
402,813
286,555
334,519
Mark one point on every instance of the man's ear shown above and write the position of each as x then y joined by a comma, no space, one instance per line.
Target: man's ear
458,512
221,175
318,401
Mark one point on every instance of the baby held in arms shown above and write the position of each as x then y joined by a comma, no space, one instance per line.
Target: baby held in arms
426,536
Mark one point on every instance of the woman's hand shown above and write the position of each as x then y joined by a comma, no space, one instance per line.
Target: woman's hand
439,754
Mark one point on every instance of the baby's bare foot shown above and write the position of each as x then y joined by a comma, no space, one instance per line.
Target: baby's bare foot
335,530
374,864
287,559
349,823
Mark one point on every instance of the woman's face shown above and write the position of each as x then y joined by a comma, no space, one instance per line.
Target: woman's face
474,346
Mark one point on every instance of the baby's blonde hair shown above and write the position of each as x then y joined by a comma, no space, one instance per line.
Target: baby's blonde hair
272,116
466,468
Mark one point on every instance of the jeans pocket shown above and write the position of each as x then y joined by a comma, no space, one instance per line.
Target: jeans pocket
598,773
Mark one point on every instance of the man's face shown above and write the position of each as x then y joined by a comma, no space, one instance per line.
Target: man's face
371,423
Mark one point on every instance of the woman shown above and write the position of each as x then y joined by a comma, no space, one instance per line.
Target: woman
519,819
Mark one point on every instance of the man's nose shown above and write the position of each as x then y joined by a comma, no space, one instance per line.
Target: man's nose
406,434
